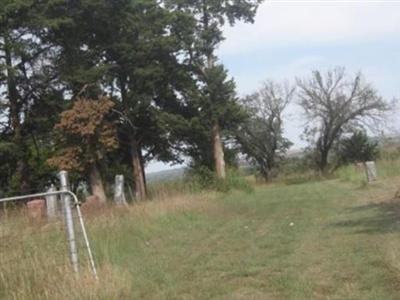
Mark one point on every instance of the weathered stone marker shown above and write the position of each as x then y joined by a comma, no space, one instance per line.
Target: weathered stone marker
92,204
52,205
370,170
36,209
119,193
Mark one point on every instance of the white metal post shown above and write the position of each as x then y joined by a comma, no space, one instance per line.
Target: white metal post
76,202
66,200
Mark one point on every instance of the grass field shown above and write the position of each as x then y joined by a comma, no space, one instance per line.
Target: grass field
317,240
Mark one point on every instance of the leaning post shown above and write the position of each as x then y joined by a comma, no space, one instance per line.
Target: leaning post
67,205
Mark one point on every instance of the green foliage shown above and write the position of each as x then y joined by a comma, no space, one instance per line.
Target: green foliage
203,178
211,102
155,60
234,181
208,18
214,101
358,148
29,95
199,181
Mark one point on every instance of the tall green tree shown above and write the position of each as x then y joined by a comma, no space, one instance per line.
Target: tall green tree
70,30
26,91
215,91
214,100
130,51
154,59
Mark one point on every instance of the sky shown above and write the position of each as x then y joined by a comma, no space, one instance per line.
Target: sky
290,38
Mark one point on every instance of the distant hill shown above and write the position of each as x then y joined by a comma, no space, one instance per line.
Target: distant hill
166,175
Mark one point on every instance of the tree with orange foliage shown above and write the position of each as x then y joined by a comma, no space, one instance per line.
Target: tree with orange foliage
88,135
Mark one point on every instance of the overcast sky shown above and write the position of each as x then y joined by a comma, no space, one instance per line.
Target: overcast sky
292,37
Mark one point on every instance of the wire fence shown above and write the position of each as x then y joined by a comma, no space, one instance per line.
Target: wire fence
42,236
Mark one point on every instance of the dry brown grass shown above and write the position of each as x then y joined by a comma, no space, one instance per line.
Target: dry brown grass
33,255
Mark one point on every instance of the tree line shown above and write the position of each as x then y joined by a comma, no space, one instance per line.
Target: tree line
101,87
337,111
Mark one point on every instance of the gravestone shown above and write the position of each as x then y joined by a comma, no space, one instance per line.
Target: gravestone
52,205
92,204
370,170
36,209
119,193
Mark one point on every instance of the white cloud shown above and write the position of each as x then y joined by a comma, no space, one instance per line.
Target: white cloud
312,23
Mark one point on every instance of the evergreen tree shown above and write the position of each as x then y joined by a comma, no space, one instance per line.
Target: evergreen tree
155,60
135,47
358,148
27,91
212,103
209,16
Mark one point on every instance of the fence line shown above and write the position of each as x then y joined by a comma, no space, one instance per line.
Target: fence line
66,196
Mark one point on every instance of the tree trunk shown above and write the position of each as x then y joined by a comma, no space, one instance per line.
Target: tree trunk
218,152
218,149
140,186
323,163
264,170
142,164
96,184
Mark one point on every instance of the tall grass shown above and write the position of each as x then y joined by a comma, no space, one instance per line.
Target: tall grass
34,260
282,242
34,263
386,167
200,182
296,171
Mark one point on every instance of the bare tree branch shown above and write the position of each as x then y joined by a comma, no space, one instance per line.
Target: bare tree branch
334,102
261,137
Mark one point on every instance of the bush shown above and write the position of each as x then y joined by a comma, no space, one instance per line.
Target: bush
203,178
358,148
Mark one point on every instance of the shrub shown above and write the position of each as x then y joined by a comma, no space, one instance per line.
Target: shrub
203,178
358,148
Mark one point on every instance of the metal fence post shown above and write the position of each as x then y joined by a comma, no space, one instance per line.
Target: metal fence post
66,200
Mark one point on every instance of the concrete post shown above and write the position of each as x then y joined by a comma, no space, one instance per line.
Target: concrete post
51,203
67,203
119,192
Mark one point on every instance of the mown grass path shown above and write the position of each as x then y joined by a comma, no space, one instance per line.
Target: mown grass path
344,243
